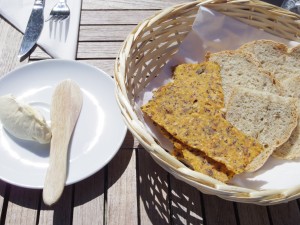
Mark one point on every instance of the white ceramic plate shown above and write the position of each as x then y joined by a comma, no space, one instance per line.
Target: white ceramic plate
98,135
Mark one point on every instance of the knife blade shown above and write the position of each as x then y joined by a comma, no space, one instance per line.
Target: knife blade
34,28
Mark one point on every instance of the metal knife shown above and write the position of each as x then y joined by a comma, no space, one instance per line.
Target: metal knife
33,29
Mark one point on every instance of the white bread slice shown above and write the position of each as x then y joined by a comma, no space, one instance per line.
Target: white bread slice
291,148
275,57
267,117
241,69
291,87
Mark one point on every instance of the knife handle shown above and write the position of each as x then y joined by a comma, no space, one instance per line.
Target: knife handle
57,171
65,109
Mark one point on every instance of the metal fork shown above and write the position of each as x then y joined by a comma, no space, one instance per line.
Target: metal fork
59,12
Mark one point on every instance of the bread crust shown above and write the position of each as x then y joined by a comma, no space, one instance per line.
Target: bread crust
256,78
289,75
291,148
238,118
275,57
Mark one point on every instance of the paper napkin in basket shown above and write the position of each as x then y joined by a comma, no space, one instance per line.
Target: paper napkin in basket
58,40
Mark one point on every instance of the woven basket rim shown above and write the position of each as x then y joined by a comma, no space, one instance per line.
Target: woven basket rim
202,182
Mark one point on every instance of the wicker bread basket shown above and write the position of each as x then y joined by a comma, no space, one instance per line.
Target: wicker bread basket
153,42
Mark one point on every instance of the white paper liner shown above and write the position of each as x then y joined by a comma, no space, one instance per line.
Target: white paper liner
214,32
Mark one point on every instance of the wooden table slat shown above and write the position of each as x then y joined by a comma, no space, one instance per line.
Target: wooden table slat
287,214
60,212
87,50
89,200
250,214
122,190
23,206
218,211
128,4
98,49
123,17
104,33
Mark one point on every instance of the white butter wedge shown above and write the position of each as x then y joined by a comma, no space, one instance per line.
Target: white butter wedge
23,121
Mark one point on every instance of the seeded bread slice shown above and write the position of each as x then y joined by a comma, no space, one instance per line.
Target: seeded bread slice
241,69
291,148
275,58
197,160
267,117
201,162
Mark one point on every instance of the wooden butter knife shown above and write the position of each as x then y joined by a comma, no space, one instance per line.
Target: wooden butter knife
65,109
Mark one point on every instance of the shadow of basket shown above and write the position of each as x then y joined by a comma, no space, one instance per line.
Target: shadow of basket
163,198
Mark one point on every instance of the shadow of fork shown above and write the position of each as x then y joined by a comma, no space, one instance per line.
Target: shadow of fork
59,29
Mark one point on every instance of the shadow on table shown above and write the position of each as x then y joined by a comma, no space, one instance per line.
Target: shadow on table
90,191
81,193
20,197
164,199
94,186
161,198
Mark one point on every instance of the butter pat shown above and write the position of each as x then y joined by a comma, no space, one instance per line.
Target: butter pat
23,121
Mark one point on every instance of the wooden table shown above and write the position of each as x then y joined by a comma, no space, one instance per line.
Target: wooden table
132,188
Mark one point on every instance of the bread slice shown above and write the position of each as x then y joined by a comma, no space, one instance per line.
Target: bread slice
291,87
206,165
188,93
291,148
199,161
267,117
189,109
241,69
275,58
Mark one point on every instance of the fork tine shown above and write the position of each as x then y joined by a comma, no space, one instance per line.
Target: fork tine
56,18
60,18
49,18
64,18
